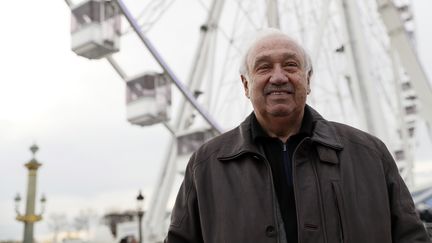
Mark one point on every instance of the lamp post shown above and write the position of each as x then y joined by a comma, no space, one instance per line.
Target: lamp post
140,212
29,218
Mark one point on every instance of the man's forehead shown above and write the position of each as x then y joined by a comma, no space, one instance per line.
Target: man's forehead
287,47
272,39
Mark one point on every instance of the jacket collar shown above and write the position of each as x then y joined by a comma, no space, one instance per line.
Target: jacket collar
241,142
241,139
324,132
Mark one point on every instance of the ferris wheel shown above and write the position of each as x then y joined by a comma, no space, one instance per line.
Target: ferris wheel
366,71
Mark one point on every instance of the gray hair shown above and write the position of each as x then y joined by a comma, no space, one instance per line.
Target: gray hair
267,32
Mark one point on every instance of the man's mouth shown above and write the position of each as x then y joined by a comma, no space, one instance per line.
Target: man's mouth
280,92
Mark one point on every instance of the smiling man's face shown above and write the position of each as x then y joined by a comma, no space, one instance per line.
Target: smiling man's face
277,82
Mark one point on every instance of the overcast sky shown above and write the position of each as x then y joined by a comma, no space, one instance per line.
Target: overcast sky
74,110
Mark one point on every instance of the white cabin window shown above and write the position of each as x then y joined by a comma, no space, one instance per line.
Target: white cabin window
95,29
148,99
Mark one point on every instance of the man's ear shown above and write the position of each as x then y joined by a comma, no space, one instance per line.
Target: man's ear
245,85
309,75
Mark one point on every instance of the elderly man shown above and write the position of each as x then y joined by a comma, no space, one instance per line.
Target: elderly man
288,175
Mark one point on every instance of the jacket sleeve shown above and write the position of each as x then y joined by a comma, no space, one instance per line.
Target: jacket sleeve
185,224
406,225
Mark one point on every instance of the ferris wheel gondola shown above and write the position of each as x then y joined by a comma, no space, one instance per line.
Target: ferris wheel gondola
95,29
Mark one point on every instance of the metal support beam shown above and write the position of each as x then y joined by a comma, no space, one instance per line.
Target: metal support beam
273,14
183,89
154,220
117,68
405,140
367,99
318,38
68,2
400,42
203,54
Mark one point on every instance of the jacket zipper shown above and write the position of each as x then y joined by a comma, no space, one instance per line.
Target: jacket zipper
285,158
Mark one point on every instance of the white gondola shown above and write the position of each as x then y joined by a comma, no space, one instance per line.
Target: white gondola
190,142
148,99
95,28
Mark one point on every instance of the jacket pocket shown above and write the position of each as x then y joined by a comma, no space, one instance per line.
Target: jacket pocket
340,211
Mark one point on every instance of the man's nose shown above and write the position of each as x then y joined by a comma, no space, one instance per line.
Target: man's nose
278,76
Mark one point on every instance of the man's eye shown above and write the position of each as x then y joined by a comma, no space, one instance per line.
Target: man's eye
263,67
291,64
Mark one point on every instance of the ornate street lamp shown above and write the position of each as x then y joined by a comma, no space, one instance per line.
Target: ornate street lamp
140,212
29,218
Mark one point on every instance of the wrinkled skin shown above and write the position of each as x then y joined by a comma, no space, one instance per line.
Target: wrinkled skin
277,84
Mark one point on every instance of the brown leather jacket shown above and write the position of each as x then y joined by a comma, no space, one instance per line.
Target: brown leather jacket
346,184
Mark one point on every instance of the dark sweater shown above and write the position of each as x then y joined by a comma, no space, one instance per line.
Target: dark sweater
279,155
